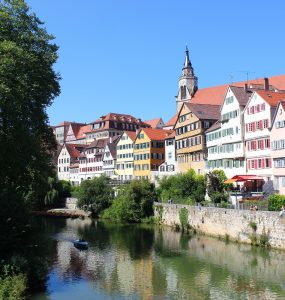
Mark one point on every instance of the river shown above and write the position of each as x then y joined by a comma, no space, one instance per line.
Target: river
151,262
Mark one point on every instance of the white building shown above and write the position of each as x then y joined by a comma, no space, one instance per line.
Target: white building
76,133
67,158
125,156
277,137
91,161
258,117
109,161
225,142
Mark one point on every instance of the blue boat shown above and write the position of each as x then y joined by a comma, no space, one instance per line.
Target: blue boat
80,244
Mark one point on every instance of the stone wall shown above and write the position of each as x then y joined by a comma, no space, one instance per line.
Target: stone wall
238,225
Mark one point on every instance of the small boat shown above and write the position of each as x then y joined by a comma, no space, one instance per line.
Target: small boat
80,244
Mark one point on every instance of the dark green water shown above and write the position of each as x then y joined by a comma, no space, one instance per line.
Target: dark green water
143,262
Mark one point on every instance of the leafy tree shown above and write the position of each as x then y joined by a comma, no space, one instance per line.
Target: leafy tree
28,85
216,187
183,188
96,194
133,203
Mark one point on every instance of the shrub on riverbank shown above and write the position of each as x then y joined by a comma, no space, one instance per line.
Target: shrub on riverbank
13,287
183,188
133,203
95,194
275,202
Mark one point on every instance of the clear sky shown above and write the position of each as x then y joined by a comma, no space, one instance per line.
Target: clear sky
125,56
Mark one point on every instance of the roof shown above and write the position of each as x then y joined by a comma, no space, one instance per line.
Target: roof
241,94
113,149
157,134
154,123
131,134
215,126
171,136
120,117
172,121
81,131
204,111
73,149
64,123
98,144
215,95
272,98
283,104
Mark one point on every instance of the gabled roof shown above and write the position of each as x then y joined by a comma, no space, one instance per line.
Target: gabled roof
64,123
241,94
215,126
131,134
121,118
272,98
204,111
73,149
172,121
156,134
281,103
171,136
155,122
215,95
113,149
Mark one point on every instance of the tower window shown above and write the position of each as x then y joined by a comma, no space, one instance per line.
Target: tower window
183,92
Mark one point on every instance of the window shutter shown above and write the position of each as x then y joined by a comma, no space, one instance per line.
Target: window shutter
262,144
253,126
248,164
248,146
262,163
246,127
270,163
258,107
248,110
255,164
255,145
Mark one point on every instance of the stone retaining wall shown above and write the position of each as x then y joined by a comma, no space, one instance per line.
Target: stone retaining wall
238,225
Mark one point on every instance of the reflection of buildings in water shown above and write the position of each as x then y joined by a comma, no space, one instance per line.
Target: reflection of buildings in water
172,280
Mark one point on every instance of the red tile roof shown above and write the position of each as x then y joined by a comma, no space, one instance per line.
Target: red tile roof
204,111
131,134
73,149
157,134
154,123
272,98
215,95
172,121
80,134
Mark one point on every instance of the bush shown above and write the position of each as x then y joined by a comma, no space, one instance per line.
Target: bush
96,194
216,187
133,203
219,197
275,202
13,287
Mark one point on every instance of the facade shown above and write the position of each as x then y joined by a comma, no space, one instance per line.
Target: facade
113,125
109,161
225,139
125,156
193,120
155,123
258,117
76,133
277,138
91,161
60,131
67,158
169,166
149,151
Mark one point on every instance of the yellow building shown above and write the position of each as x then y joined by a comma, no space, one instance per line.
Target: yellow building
125,156
149,151
193,119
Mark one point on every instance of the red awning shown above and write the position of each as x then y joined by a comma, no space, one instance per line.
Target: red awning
243,178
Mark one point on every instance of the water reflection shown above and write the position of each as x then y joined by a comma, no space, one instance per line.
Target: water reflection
143,262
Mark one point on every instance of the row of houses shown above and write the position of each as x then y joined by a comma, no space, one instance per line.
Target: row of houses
237,128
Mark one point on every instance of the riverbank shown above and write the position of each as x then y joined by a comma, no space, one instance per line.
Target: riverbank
245,226
63,213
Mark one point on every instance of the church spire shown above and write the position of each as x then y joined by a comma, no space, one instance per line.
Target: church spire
188,82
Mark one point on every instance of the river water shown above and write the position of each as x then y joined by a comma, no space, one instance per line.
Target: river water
148,262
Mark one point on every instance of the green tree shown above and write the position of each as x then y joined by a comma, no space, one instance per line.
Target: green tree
216,187
133,203
28,85
96,194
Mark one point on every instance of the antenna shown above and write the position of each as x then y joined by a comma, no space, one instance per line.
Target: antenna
247,73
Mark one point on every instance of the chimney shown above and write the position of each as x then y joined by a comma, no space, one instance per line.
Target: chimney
245,87
266,83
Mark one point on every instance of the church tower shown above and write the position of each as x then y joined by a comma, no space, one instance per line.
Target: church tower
188,83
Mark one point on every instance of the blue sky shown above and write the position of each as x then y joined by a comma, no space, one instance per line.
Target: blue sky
126,56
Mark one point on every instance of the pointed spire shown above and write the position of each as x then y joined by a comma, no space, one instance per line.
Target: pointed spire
187,63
